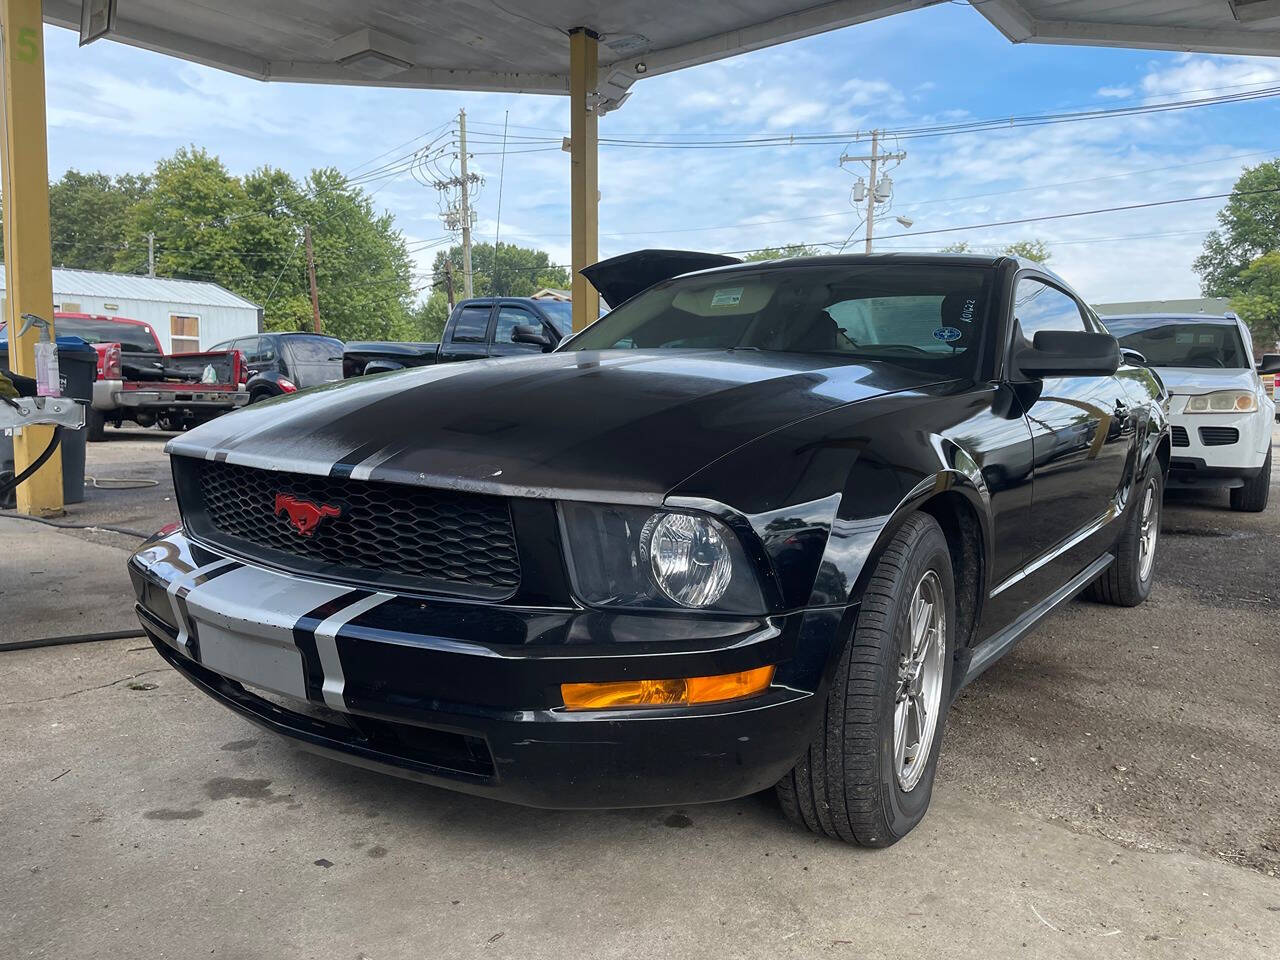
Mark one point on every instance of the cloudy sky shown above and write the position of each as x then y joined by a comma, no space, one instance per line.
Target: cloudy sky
118,109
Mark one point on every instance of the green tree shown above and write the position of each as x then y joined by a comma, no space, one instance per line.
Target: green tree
511,271
429,317
1035,249
363,272
1249,228
87,217
189,206
782,252
1258,301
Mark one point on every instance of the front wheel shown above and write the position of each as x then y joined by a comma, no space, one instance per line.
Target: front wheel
1253,496
868,775
1127,582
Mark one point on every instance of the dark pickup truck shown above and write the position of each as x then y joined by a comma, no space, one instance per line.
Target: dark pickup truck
476,329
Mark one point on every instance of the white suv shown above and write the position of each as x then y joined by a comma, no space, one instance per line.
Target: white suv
1219,412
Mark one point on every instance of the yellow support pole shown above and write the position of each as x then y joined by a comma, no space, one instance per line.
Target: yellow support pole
584,181
24,178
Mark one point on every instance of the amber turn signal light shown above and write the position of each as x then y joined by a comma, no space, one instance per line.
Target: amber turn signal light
659,693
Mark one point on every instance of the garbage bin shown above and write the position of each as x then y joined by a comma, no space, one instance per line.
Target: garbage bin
77,369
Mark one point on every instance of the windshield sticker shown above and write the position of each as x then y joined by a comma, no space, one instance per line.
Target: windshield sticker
1187,337
947,334
1207,338
728,297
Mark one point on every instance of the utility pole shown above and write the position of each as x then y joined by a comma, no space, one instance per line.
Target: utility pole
151,254
466,205
455,208
873,186
311,274
448,281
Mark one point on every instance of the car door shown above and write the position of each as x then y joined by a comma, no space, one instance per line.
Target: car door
1081,435
467,337
510,316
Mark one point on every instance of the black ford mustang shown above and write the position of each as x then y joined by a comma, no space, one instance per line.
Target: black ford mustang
756,526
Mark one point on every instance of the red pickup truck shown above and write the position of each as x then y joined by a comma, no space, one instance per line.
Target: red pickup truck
138,382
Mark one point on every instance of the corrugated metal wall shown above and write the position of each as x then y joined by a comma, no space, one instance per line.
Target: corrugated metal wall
217,323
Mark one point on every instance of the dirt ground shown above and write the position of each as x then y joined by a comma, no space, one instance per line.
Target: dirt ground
1111,788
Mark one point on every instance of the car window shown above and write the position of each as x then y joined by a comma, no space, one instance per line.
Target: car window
266,349
314,349
916,315
508,318
561,314
1038,306
132,337
472,325
1166,342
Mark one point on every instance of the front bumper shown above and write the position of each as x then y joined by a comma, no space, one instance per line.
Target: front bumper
466,695
111,395
1197,461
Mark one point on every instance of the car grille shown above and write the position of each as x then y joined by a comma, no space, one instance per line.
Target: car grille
386,535
1218,436
1179,436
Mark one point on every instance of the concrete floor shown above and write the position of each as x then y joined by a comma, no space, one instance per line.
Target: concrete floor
1112,788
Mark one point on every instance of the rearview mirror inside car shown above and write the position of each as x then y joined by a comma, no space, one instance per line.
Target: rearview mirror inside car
528,333
1270,363
1062,353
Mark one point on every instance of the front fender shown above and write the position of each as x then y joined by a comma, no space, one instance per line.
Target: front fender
818,501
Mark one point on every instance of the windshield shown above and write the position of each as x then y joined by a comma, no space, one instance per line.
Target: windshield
132,337
918,315
1181,343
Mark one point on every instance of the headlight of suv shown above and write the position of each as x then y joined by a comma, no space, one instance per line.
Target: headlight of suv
1223,401
657,559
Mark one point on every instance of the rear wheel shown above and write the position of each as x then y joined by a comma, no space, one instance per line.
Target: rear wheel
868,775
95,425
1127,582
1252,497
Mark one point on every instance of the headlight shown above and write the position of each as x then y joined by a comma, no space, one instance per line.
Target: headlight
1223,401
641,558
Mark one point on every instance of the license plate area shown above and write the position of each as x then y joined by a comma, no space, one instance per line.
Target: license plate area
273,666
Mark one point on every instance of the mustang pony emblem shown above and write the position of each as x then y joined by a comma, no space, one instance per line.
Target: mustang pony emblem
303,514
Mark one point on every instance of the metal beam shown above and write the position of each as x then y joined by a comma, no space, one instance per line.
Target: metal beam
24,178
1012,19
584,123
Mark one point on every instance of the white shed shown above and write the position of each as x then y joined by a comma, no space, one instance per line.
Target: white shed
187,315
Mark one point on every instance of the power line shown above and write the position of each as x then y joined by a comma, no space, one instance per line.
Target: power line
1039,219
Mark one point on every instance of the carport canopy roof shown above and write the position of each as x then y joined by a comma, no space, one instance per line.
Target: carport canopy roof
517,46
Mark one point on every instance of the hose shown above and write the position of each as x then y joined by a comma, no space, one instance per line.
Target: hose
76,526
7,485
73,638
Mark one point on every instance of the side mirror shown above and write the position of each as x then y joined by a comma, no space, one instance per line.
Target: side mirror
528,333
1270,363
1060,353
1132,357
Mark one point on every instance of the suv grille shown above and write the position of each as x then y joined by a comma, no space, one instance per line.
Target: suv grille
1178,436
386,535
1218,436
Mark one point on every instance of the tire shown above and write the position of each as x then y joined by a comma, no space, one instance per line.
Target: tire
1252,497
95,425
847,786
1127,582
258,396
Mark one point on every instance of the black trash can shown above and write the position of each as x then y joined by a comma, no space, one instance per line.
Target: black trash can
77,370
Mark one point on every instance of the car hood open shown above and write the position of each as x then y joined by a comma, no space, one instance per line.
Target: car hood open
622,426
